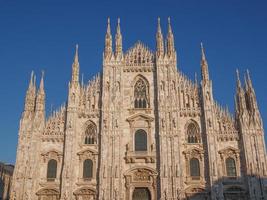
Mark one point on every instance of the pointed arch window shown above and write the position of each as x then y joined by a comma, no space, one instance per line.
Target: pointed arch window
193,135
141,94
51,170
88,169
230,167
194,168
90,134
140,140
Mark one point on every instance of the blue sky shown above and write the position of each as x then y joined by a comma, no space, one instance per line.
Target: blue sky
41,35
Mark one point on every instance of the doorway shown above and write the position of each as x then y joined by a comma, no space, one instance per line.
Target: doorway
141,194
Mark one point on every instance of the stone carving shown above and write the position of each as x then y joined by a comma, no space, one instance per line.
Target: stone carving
141,175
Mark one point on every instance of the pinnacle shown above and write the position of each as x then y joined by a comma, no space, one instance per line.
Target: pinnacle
203,56
159,27
118,27
41,87
76,57
169,26
108,27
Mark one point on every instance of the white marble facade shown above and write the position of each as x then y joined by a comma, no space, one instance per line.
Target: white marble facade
140,129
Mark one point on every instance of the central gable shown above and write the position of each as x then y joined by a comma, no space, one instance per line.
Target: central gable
139,55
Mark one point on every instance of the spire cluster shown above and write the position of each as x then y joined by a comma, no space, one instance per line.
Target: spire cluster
108,52
170,47
245,99
34,101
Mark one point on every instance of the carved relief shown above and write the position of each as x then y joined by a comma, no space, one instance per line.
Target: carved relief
85,193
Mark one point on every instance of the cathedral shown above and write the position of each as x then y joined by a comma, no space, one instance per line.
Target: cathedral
140,130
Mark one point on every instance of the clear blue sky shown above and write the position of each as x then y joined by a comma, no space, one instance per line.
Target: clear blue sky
36,35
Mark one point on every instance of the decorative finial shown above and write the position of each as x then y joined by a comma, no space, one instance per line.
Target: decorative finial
34,81
41,87
31,80
42,74
159,27
248,74
202,51
108,27
238,79
249,79
76,58
118,26
169,25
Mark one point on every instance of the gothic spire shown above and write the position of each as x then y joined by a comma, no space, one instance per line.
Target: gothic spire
240,97
118,48
170,39
238,82
108,41
249,82
41,87
250,95
29,104
31,80
159,39
204,65
75,68
40,99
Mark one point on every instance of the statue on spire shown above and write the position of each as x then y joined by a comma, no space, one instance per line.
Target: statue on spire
40,98
240,97
204,65
250,95
75,68
159,40
108,42
29,105
118,48
40,103
170,39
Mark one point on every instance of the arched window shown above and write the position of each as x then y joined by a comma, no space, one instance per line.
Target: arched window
51,170
193,135
194,168
230,167
87,169
140,140
140,94
90,134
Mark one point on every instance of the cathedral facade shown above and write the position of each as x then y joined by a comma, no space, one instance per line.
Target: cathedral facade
140,130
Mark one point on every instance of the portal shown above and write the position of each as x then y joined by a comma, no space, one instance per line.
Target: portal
141,194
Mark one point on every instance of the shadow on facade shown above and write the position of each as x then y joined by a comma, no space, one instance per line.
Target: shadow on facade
228,188
6,172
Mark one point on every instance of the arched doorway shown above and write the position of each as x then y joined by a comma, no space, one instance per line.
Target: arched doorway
141,183
141,194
